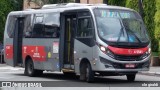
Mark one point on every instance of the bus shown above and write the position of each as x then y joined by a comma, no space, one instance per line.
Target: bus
87,40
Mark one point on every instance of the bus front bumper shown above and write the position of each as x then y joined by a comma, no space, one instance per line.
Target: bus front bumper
116,72
120,67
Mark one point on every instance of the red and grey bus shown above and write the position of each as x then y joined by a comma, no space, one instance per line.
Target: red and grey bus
85,39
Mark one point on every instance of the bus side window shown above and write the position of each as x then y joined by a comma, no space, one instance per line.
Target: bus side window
11,26
27,27
51,25
38,27
38,30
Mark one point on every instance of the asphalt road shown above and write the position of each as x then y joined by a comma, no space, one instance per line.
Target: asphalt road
60,80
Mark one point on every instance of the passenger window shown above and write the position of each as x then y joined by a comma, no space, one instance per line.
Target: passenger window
38,30
38,27
11,26
51,25
51,31
27,27
85,27
39,19
47,26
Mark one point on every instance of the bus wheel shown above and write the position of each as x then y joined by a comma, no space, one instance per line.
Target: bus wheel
131,77
86,73
29,69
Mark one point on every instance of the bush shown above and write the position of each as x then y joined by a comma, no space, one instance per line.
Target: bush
149,13
117,2
5,8
157,20
132,4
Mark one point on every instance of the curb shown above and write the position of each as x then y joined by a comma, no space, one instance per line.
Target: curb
150,73
11,68
157,73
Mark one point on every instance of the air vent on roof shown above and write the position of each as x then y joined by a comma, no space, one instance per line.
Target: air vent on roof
29,9
100,4
63,5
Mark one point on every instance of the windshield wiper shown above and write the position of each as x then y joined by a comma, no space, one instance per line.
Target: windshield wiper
134,35
121,31
129,30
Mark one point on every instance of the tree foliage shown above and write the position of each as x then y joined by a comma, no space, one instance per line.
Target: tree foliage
117,2
149,13
132,4
157,20
5,8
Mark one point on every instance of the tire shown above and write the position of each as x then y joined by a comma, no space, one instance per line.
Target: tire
30,71
131,77
86,73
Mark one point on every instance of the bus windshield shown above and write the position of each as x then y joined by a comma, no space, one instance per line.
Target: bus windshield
120,26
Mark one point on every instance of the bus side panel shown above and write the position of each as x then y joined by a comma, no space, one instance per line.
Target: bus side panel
81,51
8,51
8,44
42,53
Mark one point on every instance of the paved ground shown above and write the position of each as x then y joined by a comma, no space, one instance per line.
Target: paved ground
8,73
85,88
154,71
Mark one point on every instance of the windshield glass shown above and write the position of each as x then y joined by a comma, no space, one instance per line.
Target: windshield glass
120,26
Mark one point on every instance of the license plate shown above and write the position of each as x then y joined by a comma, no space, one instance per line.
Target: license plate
130,66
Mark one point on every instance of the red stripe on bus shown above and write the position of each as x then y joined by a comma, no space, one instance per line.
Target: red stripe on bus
9,52
128,52
37,53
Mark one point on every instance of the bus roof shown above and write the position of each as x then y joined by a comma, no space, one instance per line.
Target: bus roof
67,6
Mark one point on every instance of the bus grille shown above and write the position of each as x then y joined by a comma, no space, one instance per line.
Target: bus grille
128,58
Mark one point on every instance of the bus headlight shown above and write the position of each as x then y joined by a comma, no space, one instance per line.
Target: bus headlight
106,51
149,50
146,54
103,49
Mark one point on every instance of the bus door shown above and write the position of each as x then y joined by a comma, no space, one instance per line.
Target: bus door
68,26
17,41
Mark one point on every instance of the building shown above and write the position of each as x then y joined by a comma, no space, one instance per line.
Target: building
30,5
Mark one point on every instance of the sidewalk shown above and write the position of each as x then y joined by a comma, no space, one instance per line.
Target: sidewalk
7,67
154,71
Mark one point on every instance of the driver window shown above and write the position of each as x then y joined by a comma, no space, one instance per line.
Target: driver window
85,25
